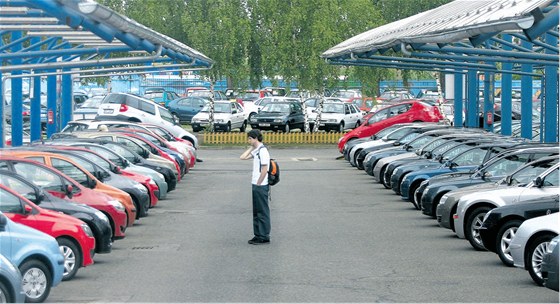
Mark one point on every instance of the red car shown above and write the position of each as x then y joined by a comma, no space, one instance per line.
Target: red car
407,111
62,186
74,237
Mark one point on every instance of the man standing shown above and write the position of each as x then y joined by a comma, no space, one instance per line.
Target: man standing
260,188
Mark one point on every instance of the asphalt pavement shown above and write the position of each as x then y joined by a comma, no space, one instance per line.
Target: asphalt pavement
336,237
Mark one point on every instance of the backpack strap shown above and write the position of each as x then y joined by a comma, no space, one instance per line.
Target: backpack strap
259,155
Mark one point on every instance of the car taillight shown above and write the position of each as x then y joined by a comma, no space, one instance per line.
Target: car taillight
25,113
123,108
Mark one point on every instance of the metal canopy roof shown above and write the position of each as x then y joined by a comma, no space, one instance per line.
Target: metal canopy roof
65,30
456,29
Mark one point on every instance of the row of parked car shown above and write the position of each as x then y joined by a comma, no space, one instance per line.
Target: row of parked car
498,192
64,200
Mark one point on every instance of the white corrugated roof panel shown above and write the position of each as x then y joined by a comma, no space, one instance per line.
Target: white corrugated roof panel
448,23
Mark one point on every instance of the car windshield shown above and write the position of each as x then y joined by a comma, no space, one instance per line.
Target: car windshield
218,108
344,94
151,95
92,103
201,93
528,173
276,108
333,108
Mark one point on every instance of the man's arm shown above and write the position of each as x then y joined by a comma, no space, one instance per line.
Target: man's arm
264,174
247,154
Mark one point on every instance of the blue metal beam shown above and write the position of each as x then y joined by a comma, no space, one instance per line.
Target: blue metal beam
526,99
19,41
478,51
64,52
506,92
458,100
481,58
17,105
472,100
550,21
550,109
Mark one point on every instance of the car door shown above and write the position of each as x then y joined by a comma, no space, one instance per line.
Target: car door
237,115
296,114
549,185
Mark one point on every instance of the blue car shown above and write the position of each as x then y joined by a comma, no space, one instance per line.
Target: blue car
10,282
36,255
186,108
466,161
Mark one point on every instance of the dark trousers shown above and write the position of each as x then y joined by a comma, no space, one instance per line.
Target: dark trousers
261,212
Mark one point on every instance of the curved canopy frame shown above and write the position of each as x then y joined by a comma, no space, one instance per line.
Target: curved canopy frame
468,37
66,37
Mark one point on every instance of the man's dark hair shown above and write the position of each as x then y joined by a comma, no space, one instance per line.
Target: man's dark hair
254,133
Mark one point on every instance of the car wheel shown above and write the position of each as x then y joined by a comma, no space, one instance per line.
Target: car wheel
141,211
474,222
36,281
243,127
5,294
503,239
287,128
535,253
341,127
411,192
72,258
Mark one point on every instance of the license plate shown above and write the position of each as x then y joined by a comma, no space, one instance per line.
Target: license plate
108,111
264,125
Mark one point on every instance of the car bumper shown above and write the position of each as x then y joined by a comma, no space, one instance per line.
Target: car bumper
444,211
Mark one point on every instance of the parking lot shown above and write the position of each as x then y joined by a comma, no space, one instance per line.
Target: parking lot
336,237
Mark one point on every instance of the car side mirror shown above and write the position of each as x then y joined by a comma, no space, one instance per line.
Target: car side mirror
538,182
27,209
68,189
40,198
234,112
92,183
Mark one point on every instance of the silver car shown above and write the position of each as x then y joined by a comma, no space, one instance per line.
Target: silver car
11,290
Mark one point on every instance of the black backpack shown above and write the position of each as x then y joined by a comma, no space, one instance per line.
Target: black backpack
273,171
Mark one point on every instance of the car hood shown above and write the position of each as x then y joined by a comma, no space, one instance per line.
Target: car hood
206,115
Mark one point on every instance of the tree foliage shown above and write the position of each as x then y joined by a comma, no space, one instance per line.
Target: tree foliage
253,39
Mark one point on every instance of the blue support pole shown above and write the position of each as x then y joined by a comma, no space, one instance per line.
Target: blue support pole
66,106
35,104
550,110
506,90
51,105
526,98
458,100
36,109
2,104
488,112
17,102
472,100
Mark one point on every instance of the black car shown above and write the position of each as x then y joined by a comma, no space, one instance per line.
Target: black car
500,224
282,116
95,219
430,191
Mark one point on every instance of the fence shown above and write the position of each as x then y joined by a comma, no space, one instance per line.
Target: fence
273,138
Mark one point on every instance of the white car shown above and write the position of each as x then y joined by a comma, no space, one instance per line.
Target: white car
337,116
132,108
227,116
472,208
531,242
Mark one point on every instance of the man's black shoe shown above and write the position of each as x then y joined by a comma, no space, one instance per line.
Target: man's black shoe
258,241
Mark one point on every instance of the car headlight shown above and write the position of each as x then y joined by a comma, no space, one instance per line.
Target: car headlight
101,216
220,120
118,205
160,175
278,120
152,182
332,120
194,120
443,199
552,245
87,230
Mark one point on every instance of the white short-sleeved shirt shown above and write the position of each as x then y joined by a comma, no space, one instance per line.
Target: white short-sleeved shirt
264,159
